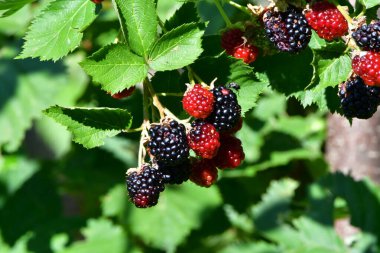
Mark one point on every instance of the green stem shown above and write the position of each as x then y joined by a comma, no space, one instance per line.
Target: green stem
162,25
156,101
168,94
223,13
345,14
239,7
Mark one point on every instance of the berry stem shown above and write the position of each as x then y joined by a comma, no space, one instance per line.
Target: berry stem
190,75
193,74
223,13
239,7
345,14
142,150
156,101
168,94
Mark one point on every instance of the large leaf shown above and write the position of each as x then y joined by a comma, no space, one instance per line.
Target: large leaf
21,246
369,3
115,68
179,211
58,29
177,48
333,71
27,87
101,236
185,14
11,6
91,126
142,23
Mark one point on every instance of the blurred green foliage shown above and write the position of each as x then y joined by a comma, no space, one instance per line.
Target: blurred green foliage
56,196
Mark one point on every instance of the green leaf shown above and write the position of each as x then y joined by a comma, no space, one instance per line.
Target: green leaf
21,245
271,211
26,89
253,247
316,42
333,71
179,211
115,68
369,3
251,84
55,33
11,6
114,202
142,23
187,13
91,126
101,236
177,48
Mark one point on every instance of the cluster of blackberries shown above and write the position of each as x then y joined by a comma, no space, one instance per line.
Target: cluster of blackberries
210,136
290,30
360,94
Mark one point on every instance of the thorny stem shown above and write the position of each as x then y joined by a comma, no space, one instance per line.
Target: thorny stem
223,13
239,7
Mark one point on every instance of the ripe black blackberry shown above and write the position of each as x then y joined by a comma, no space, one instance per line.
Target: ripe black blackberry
144,187
357,99
176,174
168,143
367,37
289,30
227,111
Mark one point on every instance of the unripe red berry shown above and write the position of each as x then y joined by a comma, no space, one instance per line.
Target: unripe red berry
247,52
124,93
367,67
203,173
198,102
203,139
230,154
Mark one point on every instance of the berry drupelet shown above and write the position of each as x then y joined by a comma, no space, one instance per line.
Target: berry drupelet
226,112
168,143
176,174
231,39
203,139
203,173
230,154
144,186
198,102
327,20
124,93
289,30
367,37
357,99
367,66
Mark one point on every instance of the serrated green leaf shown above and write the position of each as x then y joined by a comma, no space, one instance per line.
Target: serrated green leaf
26,90
177,48
115,68
178,212
141,20
271,211
316,42
254,247
101,236
369,3
251,84
185,14
12,6
91,126
20,246
55,33
114,202
333,71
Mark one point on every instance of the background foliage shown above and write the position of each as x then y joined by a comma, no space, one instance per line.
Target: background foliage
56,196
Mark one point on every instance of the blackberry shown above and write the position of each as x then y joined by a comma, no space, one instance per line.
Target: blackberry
231,39
124,93
226,112
230,154
289,30
168,143
198,101
203,173
144,187
367,66
176,174
358,100
367,37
